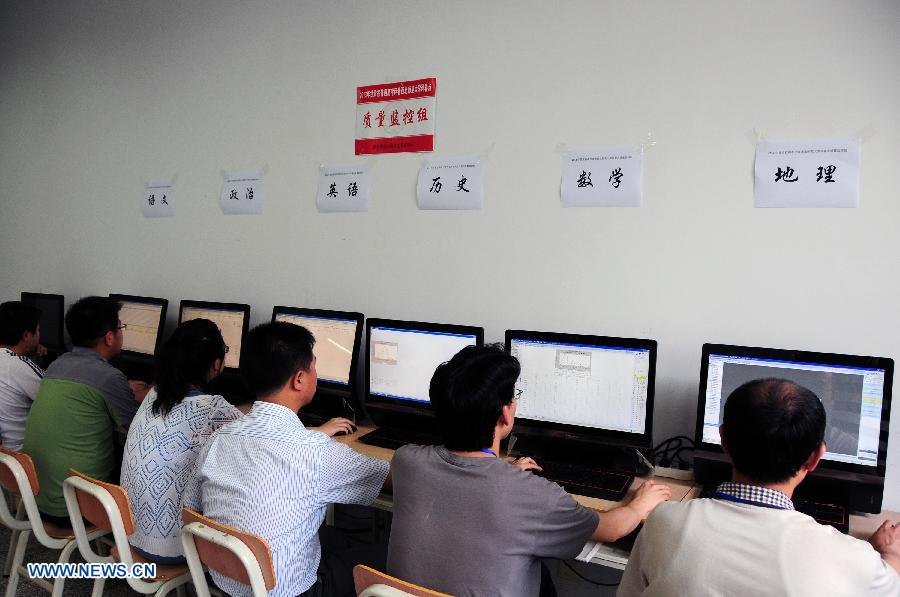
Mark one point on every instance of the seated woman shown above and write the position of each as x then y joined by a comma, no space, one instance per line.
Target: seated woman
170,426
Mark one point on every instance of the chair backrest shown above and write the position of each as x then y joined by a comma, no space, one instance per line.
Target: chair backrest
92,508
8,477
229,551
365,578
380,590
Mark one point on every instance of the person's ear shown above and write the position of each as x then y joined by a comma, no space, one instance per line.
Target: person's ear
813,461
506,416
109,339
722,439
298,381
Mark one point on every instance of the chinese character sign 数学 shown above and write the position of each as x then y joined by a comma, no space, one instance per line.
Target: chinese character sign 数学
607,177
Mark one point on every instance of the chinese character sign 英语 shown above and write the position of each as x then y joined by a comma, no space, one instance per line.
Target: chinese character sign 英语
807,173
606,177
395,117
158,200
242,193
451,183
343,187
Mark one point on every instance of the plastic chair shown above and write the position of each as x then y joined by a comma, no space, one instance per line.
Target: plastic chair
19,477
372,583
240,556
108,507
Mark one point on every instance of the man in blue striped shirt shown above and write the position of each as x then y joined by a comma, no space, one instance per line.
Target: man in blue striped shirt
269,475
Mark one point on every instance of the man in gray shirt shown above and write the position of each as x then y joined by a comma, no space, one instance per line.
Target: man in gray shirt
470,524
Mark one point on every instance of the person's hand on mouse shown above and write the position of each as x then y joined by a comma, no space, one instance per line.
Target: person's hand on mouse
337,425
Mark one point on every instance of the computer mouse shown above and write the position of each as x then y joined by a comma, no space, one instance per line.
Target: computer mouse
353,430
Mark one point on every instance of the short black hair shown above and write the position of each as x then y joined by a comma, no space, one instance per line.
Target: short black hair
273,353
16,318
771,427
468,393
88,320
184,360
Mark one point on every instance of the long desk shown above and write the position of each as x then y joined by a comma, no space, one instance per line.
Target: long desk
861,526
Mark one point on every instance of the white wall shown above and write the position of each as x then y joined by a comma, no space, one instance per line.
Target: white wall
98,97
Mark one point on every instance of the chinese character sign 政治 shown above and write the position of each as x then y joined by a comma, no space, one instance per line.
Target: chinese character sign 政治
395,117
242,193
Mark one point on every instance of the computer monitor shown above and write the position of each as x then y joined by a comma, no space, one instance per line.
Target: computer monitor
233,320
337,335
855,390
144,318
52,308
402,358
582,388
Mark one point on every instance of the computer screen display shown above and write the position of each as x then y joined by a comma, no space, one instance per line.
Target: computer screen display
52,317
337,337
855,392
144,318
231,319
584,381
404,355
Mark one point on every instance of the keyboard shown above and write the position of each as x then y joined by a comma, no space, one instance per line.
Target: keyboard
312,420
393,438
827,514
585,480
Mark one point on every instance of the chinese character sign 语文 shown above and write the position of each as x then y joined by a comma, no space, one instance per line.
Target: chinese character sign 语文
158,200
343,187
242,193
807,173
451,183
607,177
395,117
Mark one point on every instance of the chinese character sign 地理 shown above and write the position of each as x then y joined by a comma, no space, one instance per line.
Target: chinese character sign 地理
807,173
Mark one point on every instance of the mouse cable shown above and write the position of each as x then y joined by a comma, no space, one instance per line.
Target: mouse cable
586,579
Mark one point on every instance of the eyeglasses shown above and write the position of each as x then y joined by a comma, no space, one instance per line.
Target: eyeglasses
122,326
517,394
227,348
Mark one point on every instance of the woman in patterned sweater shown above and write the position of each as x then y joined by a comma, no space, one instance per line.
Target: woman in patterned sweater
167,432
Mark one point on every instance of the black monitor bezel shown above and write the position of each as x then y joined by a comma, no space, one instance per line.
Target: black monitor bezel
57,344
212,305
580,433
822,358
147,300
399,404
358,318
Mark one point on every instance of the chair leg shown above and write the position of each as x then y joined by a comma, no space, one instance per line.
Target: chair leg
98,587
13,582
64,555
14,536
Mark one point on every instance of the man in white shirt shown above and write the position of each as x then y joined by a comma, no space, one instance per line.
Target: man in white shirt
20,336
268,475
748,539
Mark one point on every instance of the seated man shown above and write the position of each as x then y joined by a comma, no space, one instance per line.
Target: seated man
469,523
81,404
267,474
20,336
748,539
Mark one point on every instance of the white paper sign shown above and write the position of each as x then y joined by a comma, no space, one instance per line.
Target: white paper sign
807,173
158,200
343,187
606,177
242,193
451,183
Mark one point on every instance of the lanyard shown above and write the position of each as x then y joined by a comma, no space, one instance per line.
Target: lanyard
488,451
730,498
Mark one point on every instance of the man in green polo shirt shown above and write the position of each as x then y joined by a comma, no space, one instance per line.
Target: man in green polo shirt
81,403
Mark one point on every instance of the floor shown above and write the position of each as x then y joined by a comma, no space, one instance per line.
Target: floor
359,525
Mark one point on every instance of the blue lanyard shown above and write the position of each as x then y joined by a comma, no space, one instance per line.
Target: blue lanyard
488,451
730,498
